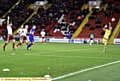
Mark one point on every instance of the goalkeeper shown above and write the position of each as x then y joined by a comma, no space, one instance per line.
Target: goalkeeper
106,35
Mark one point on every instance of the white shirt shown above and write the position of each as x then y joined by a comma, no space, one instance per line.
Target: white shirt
42,33
22,31
9,29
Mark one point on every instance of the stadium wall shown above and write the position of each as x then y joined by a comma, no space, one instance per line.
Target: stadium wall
66,40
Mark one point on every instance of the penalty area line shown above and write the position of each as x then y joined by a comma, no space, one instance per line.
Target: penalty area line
84,70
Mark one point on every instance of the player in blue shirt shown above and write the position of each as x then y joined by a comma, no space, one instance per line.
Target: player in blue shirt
69,36
31,37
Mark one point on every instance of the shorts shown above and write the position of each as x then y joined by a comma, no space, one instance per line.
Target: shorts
31,38
23,38
91,39
43,37
10,37
104,40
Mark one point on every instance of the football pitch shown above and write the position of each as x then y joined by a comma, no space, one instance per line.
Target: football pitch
62,61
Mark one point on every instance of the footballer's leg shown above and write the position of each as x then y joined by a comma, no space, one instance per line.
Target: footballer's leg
90,42
26,42
103,41
19,44
31,39
104,50
29,45
5,44
13,44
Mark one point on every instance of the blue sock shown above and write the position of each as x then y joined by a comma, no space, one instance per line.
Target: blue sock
29,45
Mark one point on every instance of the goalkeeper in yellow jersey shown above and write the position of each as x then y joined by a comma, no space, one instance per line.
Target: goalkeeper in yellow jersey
106,35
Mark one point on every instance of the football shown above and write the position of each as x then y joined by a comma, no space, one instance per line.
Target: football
113,19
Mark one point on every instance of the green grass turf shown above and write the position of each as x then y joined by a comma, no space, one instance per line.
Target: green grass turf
108,73
61,58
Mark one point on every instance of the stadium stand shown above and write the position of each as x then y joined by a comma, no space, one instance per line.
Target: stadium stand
72,18
98,19
20,13
74,15
5,5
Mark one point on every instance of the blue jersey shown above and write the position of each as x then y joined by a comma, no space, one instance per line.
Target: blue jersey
31,35
69,35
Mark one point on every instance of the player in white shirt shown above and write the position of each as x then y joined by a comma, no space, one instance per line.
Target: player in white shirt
43,36
23,35
9,35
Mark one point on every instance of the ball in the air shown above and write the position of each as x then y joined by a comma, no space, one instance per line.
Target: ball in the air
113,19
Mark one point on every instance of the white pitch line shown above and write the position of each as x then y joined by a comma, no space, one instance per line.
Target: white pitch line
84,70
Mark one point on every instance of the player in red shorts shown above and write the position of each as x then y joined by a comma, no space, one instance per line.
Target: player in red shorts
43,36
20,34
9,35
23,35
